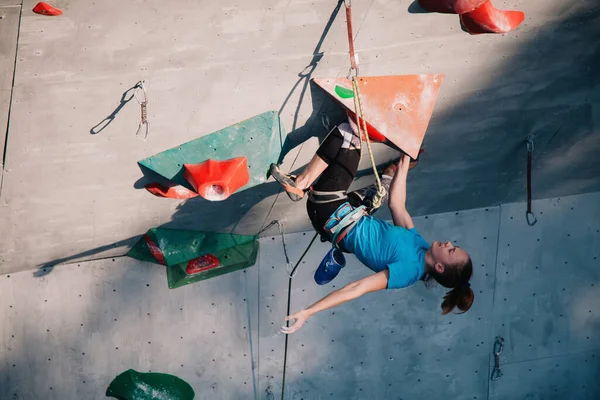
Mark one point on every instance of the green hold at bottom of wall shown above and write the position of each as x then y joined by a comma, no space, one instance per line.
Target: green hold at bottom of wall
133,385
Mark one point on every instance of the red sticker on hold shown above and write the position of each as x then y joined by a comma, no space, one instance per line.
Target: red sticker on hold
201,264
154,250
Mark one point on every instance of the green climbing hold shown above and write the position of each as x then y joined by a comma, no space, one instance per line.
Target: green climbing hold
133,385
192,256
259,139
343,92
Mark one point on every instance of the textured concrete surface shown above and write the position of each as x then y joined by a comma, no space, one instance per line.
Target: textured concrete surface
69,194
9,30
67,334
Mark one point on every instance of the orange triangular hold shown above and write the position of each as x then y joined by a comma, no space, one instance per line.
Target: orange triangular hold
217,180
46,9
398,107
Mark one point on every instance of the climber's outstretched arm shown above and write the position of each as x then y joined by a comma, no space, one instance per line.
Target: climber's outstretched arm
397,201
371,283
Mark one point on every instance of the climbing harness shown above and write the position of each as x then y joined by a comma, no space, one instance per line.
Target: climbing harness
531,219
319,197
342,221
143,126
361,123
498,348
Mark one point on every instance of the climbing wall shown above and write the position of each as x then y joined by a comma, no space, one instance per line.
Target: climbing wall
547,297
72,189
9,16
80,325
77,328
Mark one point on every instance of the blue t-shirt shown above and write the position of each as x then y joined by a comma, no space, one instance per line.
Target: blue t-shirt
379,245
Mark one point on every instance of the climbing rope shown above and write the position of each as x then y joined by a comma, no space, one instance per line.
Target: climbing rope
281,227
531,219
289,301
361,122
380,195
291,275
140,90
378,198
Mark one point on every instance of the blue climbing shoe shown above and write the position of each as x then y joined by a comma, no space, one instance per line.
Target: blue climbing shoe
330,267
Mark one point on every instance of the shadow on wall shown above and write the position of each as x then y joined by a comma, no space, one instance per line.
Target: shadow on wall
548,88
127,96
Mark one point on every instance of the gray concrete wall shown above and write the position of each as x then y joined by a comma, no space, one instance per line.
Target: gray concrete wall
9,27
69,195
67,334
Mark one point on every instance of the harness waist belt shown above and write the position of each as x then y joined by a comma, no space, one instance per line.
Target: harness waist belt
319,197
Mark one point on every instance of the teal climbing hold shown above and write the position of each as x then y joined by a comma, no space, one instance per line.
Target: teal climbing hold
192,256
133,385
343,92
259,139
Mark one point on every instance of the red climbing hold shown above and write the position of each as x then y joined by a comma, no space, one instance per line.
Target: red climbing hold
46,9
488,19
217,180
451,6
171,192
154,250
373,133
202,263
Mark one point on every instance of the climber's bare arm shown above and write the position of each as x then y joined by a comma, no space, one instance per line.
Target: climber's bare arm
371,283
397,201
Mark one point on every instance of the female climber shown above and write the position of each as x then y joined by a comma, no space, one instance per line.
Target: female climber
397,254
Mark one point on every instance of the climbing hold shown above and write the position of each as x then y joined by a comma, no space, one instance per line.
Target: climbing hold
192,256
46,9
373,133
217,180
172,192
398,108
258,139
202,263
133,385
343,92
477,16
451,6
488,19
154,250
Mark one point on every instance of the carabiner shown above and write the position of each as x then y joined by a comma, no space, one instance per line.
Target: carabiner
529,221
498,346
530,144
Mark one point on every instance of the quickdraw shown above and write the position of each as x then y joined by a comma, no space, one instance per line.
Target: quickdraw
498,348
143,126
